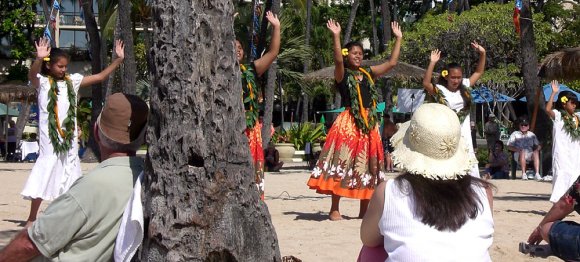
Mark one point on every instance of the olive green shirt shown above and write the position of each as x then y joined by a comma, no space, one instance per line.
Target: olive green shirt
82,224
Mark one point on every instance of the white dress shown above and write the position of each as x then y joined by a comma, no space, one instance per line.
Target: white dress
53,174
565,158
406,238
455,102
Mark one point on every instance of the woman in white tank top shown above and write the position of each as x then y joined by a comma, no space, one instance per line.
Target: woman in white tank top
434,210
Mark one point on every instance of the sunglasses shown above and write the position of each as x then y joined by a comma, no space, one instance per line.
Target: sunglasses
524,125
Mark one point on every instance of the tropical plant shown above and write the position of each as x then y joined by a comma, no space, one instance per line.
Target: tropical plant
84,119
280,136
303,133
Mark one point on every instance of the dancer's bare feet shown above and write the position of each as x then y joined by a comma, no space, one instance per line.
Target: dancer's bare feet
335,216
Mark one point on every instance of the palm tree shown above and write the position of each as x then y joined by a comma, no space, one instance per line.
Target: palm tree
348,31
199,183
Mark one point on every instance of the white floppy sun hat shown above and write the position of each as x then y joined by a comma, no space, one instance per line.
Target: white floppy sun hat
430,144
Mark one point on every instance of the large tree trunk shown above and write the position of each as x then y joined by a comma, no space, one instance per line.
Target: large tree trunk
129,68
386,21
531,82
307,33
374,24
92,154
350,24
201,201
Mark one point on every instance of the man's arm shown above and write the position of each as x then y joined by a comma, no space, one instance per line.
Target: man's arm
21,248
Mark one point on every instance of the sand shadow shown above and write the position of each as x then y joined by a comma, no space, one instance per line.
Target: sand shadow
6,236
318,216
20,223
286,196
523,197
535,212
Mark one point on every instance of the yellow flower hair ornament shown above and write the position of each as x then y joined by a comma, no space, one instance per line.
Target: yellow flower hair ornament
564,99
344,51
46,59
444,73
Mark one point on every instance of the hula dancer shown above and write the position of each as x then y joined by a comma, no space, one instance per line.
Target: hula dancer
351,163
566,140
58,164
454,91
251,95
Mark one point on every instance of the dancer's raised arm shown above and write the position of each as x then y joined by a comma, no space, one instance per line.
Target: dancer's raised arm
480,64
334,27
263,63
100,77
550,103
383,68
42,51
433,59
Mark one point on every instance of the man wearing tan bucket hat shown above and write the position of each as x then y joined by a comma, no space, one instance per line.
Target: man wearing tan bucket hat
82,224
434,210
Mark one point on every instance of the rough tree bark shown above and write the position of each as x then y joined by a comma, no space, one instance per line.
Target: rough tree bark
274,6
201,202
374,23
531,82
92,154
386,21
129,68
22,119
350,24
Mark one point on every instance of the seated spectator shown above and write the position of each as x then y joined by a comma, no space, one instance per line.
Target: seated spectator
561,235
491,131
272,158
389,130
11,140
405,214
526,148
498,166
82,224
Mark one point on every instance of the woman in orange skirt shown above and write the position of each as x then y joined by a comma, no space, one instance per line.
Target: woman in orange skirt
351,163
250,97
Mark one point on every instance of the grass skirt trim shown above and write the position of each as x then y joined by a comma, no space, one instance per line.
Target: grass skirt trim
255,140
351,163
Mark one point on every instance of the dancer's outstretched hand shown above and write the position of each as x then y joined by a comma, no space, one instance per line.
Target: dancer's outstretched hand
477,47
435,56
120,49
333,26
396,28
273,19
42,48
555,86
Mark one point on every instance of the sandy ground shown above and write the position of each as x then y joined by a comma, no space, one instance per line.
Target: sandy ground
300,215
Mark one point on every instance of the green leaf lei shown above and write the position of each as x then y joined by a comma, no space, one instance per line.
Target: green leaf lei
461,114
570,126
354,100
251,101
54,129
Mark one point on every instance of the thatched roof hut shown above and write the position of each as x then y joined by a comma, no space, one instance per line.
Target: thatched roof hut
564,64
16,92
402,71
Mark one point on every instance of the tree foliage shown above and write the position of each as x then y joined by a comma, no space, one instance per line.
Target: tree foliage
490,24
17,25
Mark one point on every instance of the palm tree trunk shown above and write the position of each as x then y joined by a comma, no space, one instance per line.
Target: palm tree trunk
374,23
274,5
22,119
93,154
386,21
129,68
540,122
307,33
200,198
351,18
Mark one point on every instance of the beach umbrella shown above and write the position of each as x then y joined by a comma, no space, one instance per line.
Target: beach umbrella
401,71
548,90
564,64
484,95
